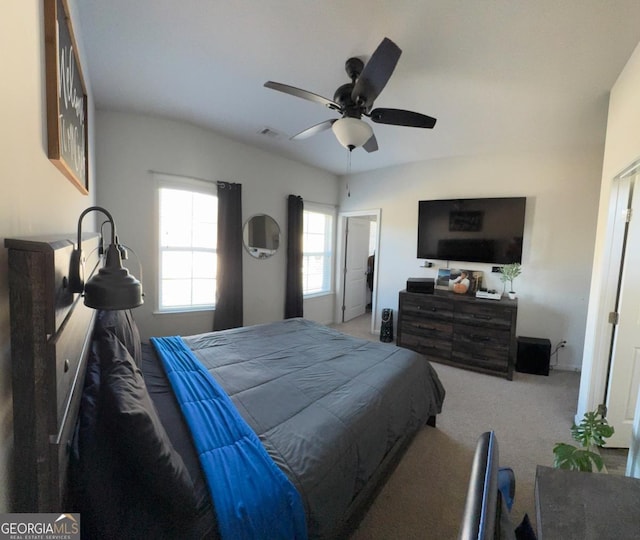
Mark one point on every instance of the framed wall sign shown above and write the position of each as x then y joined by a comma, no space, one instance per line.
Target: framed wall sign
67,119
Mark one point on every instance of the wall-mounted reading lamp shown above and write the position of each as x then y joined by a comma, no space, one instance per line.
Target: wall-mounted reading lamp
113,287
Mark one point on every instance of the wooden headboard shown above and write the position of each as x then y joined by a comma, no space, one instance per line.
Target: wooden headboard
50,341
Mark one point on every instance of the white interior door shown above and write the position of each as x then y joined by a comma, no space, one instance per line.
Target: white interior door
355,271
624,372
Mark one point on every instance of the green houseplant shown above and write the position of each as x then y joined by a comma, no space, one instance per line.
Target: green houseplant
590,432
509,272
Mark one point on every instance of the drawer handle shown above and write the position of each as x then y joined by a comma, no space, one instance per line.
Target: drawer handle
477,337
434,309
483,317
66,365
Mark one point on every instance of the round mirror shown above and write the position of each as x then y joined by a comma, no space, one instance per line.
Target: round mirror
261,236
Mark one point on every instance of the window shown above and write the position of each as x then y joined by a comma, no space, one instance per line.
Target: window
187,251
317,257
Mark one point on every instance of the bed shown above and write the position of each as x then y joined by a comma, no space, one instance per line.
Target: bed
334,414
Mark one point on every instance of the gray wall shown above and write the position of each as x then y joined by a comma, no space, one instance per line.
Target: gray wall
128,146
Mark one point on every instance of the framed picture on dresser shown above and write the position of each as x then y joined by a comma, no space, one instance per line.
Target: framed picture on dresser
443,279
463,281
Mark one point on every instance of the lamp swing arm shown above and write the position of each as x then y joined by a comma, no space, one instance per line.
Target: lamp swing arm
109,218
101,247
121,247
76,271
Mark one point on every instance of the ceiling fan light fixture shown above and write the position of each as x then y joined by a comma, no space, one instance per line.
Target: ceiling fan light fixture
352,132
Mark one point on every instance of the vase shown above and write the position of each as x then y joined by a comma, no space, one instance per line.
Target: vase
512,295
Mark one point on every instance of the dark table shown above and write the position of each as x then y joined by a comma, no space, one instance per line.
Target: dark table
586,506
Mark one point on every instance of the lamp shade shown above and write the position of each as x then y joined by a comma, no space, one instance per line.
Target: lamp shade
113,287
352,132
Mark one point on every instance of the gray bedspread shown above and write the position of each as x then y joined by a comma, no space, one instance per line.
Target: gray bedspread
327,407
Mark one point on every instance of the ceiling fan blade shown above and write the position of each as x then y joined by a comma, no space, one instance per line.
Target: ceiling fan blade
376,73
371,145
304,94
399,117
313,130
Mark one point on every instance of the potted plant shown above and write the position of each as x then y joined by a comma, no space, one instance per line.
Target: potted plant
509,272
591,432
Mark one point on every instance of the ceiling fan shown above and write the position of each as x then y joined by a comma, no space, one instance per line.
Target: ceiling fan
355,99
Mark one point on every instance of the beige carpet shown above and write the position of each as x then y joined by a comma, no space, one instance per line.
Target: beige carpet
424,497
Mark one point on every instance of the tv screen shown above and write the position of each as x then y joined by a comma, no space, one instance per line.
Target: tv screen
488,230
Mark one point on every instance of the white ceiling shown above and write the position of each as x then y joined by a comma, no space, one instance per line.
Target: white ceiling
499,75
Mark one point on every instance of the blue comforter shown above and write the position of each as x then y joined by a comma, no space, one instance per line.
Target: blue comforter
252,497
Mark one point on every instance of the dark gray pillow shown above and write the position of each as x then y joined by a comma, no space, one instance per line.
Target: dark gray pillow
137,434
123,325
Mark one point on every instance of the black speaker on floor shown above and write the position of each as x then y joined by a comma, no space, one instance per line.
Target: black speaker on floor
534,355
386,328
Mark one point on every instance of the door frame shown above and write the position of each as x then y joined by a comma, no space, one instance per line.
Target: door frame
351,269
340,254
595,373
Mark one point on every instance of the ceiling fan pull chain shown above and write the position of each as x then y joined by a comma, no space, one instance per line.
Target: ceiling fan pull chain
348,172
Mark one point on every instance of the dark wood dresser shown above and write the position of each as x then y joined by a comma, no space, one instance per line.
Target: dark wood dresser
459,330
48,348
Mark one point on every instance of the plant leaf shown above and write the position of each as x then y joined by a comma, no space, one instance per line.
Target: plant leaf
592,430
572,458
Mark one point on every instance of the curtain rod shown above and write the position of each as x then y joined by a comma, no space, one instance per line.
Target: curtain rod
317,203
183,176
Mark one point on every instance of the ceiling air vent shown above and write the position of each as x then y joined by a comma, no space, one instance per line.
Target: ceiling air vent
270,133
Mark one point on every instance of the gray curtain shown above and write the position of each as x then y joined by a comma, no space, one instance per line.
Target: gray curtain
293,292
228,312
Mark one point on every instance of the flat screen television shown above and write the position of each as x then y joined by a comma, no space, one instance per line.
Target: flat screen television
487,230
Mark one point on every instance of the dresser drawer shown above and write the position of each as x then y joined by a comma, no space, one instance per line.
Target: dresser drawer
481,337
428,328
483,314
426,305
482,347
433,349
478,360
68,349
